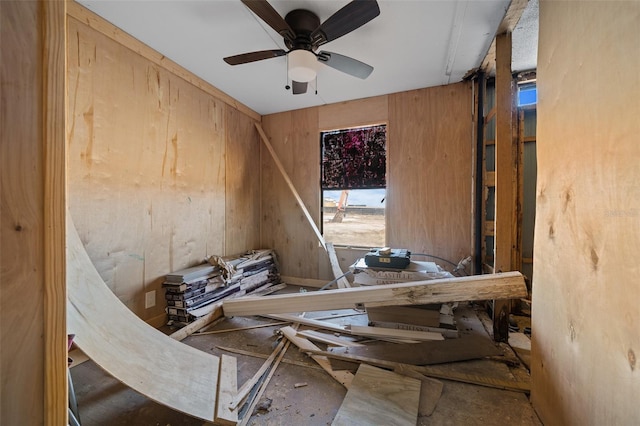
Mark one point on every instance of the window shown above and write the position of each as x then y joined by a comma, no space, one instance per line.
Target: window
527,94
354,165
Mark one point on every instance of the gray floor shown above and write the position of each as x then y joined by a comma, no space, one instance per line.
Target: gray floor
104,401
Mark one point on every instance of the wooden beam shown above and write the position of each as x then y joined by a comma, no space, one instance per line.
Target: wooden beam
478,287
505,178
335,267
54,134
287,179
394,333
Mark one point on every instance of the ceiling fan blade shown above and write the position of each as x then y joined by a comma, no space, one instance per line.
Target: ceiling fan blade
268,14
299,87
352,16
254,56
345,64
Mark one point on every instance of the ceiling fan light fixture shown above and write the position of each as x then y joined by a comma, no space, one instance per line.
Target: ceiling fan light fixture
302,65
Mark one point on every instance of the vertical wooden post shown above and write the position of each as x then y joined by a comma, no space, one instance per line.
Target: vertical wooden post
33,359
54,140
505,178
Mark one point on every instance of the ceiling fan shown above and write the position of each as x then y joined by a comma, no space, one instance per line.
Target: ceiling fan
303,34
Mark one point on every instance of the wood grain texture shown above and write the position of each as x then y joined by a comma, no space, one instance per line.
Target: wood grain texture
27,379
379,397
55,191
163,173
479,287
345,378
430,164
143,358
284,227
94,21
242,200
227,387
357,113
585,344
393,333
338,274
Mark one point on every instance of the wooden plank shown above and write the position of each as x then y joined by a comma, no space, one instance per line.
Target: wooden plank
285,175
177,375
405,315
378,396
335,267
343,377
263,356
392,333
55,206
84,15
425,353
505,179
480,287
249,384
430,390
23,248
263,386
325,325
328,339
433,371
227,387
304,282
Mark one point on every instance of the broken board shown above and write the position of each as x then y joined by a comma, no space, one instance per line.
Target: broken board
141,357
379,397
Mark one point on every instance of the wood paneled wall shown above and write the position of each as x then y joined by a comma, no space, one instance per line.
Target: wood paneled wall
430,160
162,173
429,193
586,343
33,362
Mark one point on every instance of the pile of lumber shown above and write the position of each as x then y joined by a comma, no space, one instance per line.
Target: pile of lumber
191,293
358,356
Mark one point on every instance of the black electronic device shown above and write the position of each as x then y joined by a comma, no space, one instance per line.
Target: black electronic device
387,257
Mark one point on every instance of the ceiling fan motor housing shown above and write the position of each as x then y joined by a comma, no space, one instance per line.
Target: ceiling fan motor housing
303,23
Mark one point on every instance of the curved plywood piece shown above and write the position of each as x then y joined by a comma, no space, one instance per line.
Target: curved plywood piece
143,358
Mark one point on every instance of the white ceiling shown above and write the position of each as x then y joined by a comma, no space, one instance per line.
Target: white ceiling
411,44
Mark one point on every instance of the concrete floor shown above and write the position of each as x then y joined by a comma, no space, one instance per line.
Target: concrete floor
103,401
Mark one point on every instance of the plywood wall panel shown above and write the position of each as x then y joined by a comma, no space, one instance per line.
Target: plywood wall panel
361,112
430,146
242,228
295,138
21,215
585,345
148,175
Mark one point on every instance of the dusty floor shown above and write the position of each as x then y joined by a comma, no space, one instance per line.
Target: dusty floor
104,401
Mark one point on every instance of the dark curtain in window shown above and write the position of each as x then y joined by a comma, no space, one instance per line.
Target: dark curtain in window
354,158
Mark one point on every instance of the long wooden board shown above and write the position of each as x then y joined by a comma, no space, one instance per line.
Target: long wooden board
141,357
424,353
379,397
479,287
